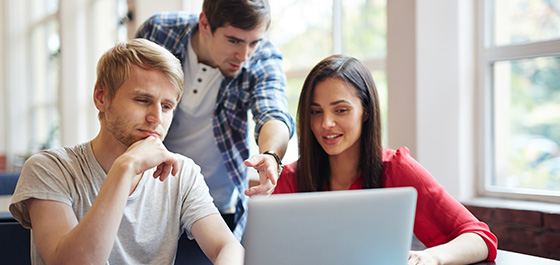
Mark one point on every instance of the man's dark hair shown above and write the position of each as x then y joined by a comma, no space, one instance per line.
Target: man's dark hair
242,14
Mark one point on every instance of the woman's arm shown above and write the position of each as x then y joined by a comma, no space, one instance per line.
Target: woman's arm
439,217
467,248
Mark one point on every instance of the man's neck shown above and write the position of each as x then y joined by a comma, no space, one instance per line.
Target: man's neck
200,48
106,150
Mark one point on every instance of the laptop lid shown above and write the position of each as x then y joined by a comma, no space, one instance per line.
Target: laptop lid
371,226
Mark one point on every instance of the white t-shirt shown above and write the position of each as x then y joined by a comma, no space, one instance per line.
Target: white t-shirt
156,214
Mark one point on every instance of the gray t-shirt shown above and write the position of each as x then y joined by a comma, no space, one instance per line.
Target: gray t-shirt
156,214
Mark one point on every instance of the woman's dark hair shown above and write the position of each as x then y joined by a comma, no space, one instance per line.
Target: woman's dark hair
242,14
313,169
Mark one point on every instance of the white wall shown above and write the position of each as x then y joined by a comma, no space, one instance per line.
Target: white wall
401,74
76,91
431,78
446,90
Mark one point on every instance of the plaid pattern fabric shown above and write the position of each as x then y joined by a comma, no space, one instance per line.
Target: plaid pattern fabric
259,87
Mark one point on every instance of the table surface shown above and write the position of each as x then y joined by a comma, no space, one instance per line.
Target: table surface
512,258
503,258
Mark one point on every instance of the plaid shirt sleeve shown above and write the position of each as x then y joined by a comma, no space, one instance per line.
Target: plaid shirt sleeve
269,95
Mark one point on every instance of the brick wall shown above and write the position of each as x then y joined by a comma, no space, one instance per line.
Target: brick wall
525,231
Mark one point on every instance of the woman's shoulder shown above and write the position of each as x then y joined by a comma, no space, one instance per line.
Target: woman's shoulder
401,169
399,155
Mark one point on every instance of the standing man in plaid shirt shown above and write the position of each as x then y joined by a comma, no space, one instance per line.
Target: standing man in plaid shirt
229,69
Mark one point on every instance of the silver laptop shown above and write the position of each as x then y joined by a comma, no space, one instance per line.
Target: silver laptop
372,226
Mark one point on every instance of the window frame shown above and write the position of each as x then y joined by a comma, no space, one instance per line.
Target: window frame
373,64
487,56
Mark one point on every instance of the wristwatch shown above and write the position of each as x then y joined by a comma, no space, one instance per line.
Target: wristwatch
277,158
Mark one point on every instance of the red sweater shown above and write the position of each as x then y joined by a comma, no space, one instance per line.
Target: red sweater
439,217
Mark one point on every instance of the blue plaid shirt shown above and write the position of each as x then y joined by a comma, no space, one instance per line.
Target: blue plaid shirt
259,86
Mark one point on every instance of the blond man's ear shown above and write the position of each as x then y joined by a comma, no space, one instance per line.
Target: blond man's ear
101,97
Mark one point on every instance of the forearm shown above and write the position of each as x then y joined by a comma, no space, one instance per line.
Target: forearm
216,240
465,249
91,240
274,135
231,254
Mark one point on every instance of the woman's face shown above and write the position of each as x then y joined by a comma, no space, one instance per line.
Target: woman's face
336,117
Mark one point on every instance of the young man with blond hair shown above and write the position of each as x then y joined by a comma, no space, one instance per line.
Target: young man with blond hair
122,198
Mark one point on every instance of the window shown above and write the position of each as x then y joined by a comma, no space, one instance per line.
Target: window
33,50
52,47
355,28
520,88
45,68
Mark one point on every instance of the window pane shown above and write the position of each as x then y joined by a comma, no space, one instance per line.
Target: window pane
293,89
523,21
41,8
107,20
527,123
45,54
304,37
365,28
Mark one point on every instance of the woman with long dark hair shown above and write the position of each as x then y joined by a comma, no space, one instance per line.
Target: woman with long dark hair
339,129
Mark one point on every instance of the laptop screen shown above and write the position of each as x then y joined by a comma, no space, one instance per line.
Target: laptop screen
372,226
